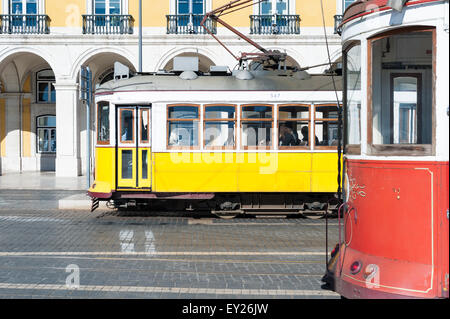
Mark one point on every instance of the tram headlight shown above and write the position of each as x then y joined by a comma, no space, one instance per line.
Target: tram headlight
355,267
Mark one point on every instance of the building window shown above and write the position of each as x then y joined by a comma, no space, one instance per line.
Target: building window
346,4
269,7
190,14
273,17
103,123
45,87
293,122
23,7
326,126
107,7
257,126
190,7
46,134
183,126
219,127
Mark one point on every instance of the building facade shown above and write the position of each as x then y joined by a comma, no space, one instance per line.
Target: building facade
44,44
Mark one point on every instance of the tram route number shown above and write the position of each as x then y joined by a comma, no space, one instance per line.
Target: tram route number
228,309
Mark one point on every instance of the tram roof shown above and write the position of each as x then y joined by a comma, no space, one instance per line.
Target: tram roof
362,7
262,81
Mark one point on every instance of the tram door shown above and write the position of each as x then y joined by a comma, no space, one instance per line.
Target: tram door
134,147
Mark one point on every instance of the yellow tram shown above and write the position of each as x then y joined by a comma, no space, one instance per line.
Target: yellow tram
230,142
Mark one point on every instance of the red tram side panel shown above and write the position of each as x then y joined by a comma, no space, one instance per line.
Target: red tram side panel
397,210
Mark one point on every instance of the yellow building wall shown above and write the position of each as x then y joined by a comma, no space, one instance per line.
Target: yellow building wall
153,12
26,127
67,13
311,13
236,19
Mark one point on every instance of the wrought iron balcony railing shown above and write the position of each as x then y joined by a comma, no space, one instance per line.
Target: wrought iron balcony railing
337,23
107,24
24,24
189,24
275,24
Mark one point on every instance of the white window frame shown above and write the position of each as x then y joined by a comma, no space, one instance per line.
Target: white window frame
340,7
290,9
49,82
49,129
173,6
123,6
8,10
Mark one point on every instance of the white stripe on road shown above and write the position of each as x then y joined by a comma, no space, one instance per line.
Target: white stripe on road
174,290
167,253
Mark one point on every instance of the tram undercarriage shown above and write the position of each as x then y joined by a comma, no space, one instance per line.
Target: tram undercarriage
228,205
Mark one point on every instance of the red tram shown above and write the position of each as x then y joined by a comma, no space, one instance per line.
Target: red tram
394,241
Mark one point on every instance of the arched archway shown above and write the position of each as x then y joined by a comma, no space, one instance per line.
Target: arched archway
102,66
28,92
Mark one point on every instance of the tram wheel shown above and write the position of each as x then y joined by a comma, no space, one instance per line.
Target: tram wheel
314,215
226,214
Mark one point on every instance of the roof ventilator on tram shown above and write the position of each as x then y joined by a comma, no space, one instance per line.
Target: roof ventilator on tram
121,71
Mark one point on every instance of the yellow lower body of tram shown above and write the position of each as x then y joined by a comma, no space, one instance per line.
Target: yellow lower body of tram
191,172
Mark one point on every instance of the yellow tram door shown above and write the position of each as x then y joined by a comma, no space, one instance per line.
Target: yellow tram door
134,148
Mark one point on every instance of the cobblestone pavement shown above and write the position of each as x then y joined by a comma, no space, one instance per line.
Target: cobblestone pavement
137,255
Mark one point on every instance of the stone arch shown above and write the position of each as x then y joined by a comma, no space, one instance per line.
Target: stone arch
21,65
112,53
17,69
10,53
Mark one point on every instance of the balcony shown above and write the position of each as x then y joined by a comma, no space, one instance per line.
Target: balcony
337,23
189,24
275,24
24,24
107,24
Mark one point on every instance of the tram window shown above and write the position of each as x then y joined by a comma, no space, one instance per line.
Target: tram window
326,125
401,90
257,112
291,121
103,123
127,164
182,126
145,125
126,125
219,127
352,102
144,160
257,126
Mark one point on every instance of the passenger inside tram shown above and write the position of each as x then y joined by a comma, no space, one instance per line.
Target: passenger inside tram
287,136
305,140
